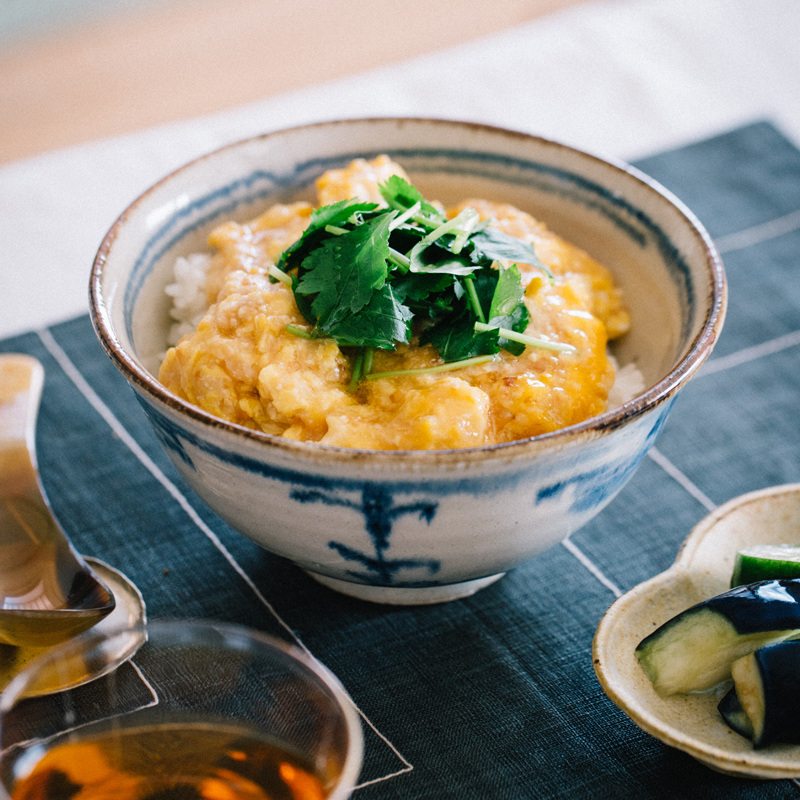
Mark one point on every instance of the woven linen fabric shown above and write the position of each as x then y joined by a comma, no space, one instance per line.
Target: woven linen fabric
493,696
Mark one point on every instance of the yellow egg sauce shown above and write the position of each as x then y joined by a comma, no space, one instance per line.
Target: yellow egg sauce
241,364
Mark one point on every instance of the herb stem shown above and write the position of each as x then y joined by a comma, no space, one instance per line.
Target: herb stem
523,338
280,275
471,219
453,365
427,221
399,260
336,230
414,212
358,366
473,298
409,212
303,334
366,367
452,224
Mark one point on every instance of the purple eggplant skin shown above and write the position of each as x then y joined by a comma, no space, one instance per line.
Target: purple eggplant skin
763,606
771,605
767,685
734,715
694,650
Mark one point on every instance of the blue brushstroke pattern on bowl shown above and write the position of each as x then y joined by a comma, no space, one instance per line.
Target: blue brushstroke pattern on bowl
417,526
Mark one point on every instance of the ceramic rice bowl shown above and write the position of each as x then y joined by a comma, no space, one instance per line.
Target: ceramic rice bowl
416,526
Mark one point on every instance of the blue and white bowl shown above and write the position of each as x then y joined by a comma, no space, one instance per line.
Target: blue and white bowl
416,526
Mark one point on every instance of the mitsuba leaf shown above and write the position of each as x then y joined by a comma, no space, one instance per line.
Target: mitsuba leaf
400,194
416,288
455,339
516,321
508,293
485,285
428,258
337,213
345,270
334,214
381,323
508,309
453,330
493,244
347,286
303,302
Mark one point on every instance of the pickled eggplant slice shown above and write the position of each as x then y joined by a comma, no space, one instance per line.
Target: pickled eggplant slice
695,649
734,715
765,562
767,687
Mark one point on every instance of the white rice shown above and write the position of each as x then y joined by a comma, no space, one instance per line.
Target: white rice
188,295
628,382
189,304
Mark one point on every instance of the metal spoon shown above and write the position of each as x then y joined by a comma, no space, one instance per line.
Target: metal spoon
47,591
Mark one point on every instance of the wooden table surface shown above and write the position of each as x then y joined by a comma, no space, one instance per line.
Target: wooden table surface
165,62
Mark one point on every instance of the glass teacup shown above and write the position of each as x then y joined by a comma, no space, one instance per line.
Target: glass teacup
195,709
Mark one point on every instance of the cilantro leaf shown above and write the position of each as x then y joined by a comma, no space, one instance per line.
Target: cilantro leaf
495,245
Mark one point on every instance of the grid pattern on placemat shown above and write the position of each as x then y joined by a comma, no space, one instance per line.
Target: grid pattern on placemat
492,696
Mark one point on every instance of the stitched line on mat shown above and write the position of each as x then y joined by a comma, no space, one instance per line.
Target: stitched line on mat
103,410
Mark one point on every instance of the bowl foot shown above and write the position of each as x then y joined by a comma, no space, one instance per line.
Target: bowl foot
406,596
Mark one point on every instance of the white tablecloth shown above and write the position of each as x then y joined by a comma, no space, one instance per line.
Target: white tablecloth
621,78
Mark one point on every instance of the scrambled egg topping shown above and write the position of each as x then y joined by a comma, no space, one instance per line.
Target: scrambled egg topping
242,365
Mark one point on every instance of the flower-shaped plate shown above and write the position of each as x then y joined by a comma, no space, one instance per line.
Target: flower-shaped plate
691,722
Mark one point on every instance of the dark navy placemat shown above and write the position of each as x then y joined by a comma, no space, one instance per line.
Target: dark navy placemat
493,696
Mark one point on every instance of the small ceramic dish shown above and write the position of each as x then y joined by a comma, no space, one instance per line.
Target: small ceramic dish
418,526
691,722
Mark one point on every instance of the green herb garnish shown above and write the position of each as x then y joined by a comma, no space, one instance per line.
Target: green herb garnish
468,362
363,274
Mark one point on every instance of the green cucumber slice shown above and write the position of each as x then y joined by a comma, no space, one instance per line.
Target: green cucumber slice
766,562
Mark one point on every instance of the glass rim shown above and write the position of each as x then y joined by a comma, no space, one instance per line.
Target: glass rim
233,632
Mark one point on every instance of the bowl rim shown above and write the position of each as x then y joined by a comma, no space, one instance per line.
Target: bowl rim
595,426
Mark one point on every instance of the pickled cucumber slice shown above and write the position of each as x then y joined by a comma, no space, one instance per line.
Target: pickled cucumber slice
766,562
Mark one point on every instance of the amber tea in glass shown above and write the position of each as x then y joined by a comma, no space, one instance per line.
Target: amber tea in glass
199,712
